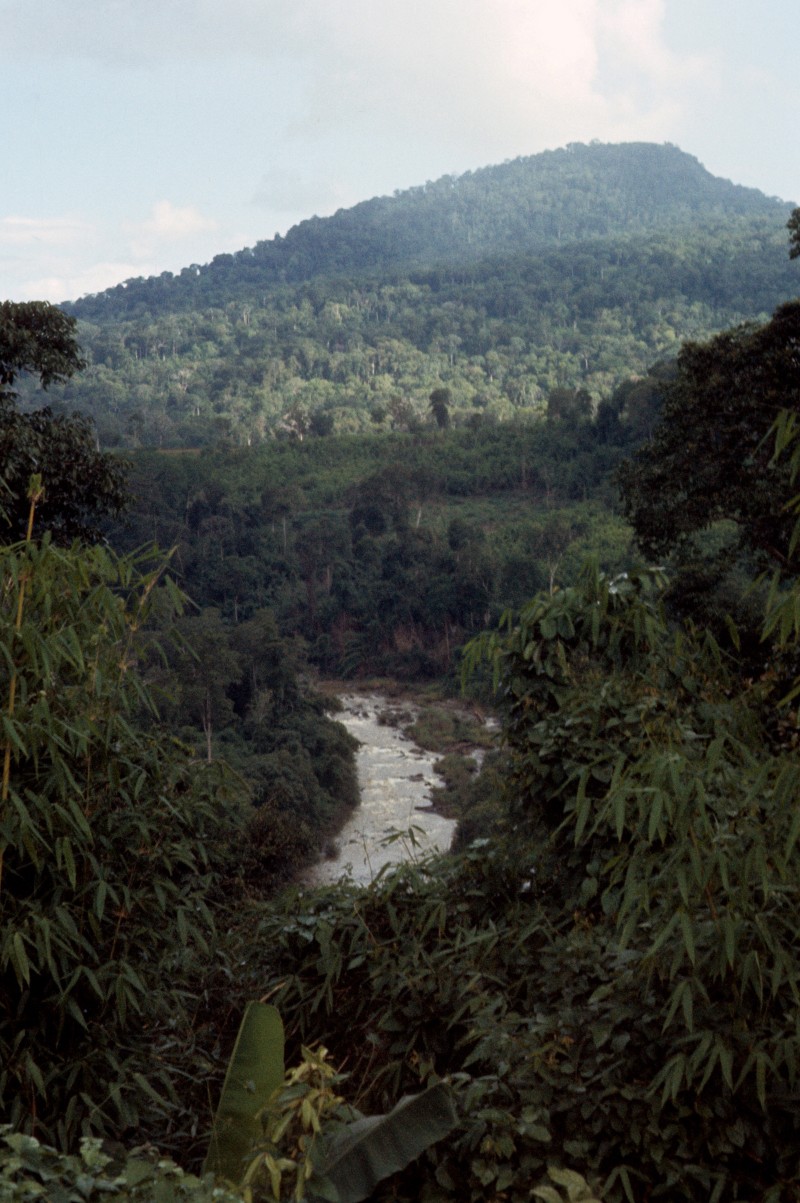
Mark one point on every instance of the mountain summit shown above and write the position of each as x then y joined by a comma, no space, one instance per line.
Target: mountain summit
498,289
554,199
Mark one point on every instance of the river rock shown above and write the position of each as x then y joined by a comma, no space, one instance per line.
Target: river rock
395,778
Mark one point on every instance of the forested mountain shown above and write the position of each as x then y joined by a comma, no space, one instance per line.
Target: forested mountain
570,269
561,197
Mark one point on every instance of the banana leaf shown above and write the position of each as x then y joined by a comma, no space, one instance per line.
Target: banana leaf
370,1149
254,1071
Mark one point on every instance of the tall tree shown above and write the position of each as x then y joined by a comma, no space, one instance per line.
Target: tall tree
81,484
793,226
440,401
37,338
710,457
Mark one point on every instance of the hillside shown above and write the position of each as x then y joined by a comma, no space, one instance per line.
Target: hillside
571,269
557,198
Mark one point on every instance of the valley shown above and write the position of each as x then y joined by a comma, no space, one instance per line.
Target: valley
518,445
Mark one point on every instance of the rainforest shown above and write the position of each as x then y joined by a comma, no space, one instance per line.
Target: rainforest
520,445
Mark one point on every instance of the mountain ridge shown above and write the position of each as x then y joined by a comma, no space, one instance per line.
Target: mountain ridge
531,203
571,270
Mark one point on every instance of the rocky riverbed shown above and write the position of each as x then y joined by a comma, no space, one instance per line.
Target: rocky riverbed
395,778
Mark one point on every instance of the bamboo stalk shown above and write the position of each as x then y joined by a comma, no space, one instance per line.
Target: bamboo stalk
35,494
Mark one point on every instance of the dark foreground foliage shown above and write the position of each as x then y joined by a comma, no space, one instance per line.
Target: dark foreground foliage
611,982
114,847
711,456
614,985
30,1170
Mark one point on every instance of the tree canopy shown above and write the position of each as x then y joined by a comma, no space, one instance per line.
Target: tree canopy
81,484
711,457
38,338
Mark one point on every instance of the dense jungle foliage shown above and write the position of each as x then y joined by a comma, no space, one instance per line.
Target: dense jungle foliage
569,195
120,845
610,980
573,269
605,973
383,553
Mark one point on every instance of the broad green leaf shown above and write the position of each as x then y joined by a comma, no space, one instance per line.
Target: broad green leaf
371,1149
254,1072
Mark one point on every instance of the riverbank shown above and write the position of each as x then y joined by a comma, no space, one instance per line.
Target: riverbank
395,820
404,740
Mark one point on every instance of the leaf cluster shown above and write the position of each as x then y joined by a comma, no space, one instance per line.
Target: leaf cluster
30,1170
36,338
81,484
711,456
111,843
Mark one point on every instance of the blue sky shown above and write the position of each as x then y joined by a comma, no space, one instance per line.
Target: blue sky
144,135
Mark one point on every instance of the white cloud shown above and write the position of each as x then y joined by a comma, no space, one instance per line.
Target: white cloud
167,224
545,48
76,280
170,221
294,191
634,36
480,79
134,32
488,79
57,259
309,105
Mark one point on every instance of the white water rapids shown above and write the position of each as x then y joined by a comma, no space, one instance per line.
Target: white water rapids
395,778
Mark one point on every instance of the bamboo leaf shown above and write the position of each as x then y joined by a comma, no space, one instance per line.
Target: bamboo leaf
100,898
687,930
19,959
656,811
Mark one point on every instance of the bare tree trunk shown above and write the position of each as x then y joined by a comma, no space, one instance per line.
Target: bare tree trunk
207,725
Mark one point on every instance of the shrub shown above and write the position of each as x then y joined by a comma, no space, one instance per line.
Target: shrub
111,844
29,1170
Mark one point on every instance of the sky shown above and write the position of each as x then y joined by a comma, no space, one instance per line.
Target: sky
141,136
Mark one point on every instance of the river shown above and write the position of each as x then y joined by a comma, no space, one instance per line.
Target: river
395,778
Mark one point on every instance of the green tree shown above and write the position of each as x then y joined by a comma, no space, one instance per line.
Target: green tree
205,667
568,405
710,457
793,226
440,401
81,484
39,339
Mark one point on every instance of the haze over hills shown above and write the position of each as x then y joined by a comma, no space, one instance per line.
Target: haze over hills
573,269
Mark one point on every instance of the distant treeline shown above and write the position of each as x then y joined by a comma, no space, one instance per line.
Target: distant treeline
578,194
352,355
573,269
